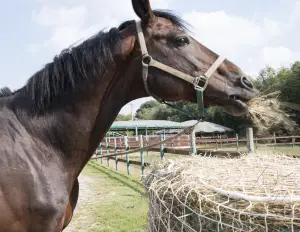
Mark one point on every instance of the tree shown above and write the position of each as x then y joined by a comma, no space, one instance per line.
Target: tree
290,88
122,117
158,111
267,80
287,80
146,110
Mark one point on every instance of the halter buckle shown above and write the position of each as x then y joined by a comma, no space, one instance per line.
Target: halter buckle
146,60
198,88
196,81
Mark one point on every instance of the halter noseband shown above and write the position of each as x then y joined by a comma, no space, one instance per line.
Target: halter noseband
147,61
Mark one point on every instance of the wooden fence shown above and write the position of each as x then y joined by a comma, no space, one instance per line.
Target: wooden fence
183,145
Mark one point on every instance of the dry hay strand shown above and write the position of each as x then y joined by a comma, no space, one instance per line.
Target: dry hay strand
267,115
250,193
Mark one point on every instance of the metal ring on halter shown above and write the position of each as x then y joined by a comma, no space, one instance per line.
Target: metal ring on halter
196,86
146,60
205,80
197,80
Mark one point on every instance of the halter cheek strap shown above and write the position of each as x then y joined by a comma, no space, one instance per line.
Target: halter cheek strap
147,61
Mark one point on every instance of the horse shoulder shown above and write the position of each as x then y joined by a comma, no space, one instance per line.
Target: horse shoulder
37,181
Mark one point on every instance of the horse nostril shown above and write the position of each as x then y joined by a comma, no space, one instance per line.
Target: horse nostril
246,83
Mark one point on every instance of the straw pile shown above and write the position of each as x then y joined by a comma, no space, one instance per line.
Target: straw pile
267,116
250,193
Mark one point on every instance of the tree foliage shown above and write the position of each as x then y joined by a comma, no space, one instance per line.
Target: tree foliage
147,109
157,111
122,117
287,80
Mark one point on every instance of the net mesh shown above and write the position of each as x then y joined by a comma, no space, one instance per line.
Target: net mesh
250,193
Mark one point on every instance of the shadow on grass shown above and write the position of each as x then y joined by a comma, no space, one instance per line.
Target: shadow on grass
127,181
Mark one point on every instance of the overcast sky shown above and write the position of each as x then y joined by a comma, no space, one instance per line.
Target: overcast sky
250,33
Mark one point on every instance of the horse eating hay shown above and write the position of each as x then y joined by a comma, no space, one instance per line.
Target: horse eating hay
50,128
258,192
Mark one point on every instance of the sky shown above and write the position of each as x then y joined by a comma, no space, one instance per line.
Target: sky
252,34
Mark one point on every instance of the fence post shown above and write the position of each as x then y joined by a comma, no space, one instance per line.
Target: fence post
101,159
193,142
162,149
237,142
142,154
107,150
293,141
136,134
274,135
127,157
256,143
250,142
147,143
116,152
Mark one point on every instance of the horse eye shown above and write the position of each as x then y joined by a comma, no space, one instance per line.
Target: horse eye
181,41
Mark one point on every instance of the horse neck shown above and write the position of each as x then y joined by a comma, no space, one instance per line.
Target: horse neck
77,129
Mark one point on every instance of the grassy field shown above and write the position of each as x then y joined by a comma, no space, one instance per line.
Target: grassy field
288,150
109,202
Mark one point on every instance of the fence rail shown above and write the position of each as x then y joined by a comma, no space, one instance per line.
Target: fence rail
183,145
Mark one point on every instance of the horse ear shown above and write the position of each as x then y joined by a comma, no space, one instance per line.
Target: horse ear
143,9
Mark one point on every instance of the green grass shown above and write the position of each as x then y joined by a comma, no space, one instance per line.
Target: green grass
287,150
117,203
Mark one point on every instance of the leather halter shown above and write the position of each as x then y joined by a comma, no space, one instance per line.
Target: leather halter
147,61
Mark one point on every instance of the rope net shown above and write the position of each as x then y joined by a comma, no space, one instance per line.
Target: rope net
250,193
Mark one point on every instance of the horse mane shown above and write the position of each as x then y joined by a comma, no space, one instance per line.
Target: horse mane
75,68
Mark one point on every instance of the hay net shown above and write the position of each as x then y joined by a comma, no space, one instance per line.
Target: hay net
250,193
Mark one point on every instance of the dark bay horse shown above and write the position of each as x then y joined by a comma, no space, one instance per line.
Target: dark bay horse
50,128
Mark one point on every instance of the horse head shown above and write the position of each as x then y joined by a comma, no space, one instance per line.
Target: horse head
175,66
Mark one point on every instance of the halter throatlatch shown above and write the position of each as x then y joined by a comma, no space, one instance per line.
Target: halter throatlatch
147,61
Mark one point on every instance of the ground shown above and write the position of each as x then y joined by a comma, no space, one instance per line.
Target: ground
108,201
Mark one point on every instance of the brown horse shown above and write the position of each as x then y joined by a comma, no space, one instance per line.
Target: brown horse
51,127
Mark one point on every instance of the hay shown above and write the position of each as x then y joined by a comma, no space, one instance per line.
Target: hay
267,116
250,193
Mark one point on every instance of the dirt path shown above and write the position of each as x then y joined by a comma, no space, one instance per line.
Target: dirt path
107,203
86,193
